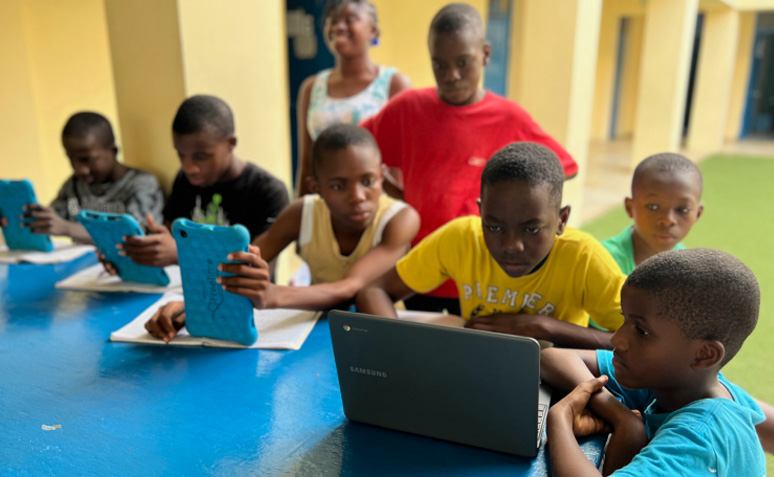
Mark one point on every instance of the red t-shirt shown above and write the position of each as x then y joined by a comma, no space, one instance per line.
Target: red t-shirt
442,149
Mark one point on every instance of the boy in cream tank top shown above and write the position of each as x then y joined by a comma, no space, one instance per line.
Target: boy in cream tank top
348,232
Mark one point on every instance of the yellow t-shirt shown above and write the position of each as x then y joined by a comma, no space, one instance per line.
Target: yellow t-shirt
578,279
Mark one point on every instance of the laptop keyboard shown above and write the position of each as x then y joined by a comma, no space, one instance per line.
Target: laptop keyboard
542,413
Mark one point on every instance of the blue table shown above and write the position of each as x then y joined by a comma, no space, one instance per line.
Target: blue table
155,410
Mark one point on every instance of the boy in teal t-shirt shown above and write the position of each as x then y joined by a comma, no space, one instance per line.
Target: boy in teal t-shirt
686,314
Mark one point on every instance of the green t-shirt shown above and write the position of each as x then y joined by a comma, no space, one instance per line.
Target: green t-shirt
622,249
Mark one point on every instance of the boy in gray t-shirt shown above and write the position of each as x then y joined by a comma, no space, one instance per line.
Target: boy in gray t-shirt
99,182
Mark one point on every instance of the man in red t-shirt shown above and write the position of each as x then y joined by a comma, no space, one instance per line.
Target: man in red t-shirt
440,138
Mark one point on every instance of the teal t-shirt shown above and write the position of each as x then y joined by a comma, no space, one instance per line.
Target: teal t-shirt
709,437
622,249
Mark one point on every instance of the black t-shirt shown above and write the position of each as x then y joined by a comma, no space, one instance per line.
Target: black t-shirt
253,199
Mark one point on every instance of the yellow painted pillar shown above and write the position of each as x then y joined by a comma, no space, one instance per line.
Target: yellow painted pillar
559,59
741,77
607,61
630,78
715,70
666,59
148,70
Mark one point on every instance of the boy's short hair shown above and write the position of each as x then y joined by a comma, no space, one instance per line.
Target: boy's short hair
455,17
340,136
204,111
665,162
333,6
86,123
710,294
528,162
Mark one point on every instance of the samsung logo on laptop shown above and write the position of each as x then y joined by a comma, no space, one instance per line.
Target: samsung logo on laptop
368,372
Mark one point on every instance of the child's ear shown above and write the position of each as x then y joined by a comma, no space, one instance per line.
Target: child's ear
564,216
478,203
487,52
629,206
699,211
232,142
709,354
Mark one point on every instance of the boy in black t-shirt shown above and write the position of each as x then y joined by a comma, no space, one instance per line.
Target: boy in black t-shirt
213,185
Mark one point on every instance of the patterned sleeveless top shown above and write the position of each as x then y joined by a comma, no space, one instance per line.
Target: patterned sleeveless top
325,111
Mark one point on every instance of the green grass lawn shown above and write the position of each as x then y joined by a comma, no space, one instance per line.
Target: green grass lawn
737,219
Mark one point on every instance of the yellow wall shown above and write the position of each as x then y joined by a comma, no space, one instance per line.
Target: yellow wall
403,40
242,59
741,75
61,64
147,61
19,134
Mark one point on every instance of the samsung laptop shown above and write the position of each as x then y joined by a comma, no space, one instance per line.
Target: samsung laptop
472,387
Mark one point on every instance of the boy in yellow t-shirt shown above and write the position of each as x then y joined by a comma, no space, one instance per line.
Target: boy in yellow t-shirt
518,268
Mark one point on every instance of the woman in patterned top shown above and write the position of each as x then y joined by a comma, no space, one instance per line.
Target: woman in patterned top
353,90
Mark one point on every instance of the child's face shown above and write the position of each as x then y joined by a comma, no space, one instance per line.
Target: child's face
650,351
204,159
350,182
458,60
92,163
349,30
664,207
520,224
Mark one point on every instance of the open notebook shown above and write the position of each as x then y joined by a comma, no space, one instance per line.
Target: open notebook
277,329
63,252
95,278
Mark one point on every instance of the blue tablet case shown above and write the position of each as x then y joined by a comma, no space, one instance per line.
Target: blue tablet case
211,311
106,231
14,195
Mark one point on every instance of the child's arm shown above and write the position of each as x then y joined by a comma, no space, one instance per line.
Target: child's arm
304,138
378,297
766,428
565,369
396,239
157,249
564,418
48,222
542,327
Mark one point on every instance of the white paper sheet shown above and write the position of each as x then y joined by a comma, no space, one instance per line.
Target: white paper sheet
277,329
95,278
63,252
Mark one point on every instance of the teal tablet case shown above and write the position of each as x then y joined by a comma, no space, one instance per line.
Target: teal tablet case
211,311
14,195
106,231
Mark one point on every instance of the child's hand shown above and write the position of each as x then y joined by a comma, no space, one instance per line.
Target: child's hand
109,267
45,221
252,278
521,324
157,249
3,222
574,407
167,321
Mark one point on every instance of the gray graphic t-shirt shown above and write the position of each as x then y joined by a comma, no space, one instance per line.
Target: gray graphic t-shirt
136,193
